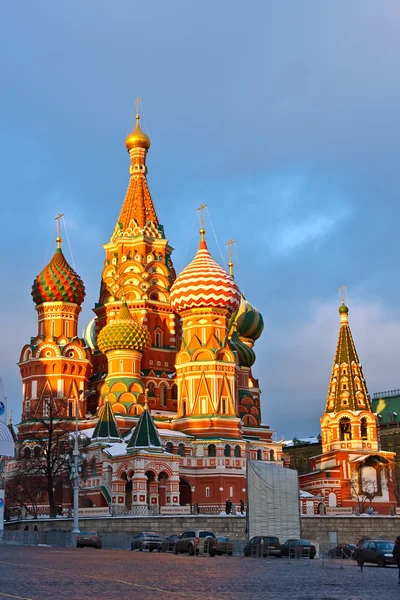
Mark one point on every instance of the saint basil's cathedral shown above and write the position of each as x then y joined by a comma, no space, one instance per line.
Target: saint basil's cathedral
162,376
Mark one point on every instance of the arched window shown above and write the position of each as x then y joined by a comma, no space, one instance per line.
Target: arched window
238,452
364,429
27,453
181,450
227,450
271,455
93,469
151,389
345,429
36,452
212,450
163,394
169,447
174,392
158,336
259,455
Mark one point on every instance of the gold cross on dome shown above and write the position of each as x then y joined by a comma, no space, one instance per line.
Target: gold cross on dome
201,214
58,219
137,101
230,264
342,292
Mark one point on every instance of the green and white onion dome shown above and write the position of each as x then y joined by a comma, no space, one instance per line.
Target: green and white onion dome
249,321
89,334
124,334
246,356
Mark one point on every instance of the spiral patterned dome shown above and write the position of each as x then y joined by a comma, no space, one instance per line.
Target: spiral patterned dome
246,355
58,282
249,321
124,334
204,283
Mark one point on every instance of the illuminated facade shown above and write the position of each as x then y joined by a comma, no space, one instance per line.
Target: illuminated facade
164,352
352,470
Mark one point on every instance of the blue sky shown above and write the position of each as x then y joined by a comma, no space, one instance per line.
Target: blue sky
282,116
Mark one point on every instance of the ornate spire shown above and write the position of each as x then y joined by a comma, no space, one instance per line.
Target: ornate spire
347,388
138,208
145,436
106,429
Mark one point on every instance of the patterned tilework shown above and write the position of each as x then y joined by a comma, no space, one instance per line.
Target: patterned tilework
58,282
204,283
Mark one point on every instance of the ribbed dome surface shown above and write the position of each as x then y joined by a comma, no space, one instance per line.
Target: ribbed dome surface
124,333
204,283
246,355
58,282
249,321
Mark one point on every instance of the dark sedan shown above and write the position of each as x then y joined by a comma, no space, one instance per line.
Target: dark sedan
342,551
169,542
377,551
295,548
268,545
89,538
222,545
147,541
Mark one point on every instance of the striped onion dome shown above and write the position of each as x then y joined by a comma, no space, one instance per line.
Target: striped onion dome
249,321
124,334
58,282
204,283
245,354
89,334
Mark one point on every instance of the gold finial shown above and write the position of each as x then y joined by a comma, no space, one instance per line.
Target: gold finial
342,292
201,215
137,138
59,238
230,264
146,395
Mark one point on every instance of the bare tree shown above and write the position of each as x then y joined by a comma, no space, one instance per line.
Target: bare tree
44,461
24,493
363,491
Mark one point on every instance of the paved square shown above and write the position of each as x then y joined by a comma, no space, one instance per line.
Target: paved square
42,573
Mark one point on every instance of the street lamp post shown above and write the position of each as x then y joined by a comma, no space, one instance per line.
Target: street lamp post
75,456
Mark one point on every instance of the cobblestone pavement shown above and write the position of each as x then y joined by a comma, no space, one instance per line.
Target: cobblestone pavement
39,573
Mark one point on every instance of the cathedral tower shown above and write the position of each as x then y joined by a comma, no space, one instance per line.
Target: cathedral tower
55,366
348,422
138,267
206,297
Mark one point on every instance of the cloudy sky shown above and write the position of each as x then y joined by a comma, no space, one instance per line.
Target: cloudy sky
282,116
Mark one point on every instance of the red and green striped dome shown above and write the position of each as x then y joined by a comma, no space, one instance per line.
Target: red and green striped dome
58,282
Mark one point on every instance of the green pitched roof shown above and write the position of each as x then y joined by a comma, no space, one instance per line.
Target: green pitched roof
145,434
106,429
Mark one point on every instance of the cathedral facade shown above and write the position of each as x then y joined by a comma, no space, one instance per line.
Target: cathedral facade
161,379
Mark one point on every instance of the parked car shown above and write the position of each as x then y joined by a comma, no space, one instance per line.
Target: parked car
377,551
366,539
147,541
295,548
342,551
89,538
222,545
169,542
266,545
198,542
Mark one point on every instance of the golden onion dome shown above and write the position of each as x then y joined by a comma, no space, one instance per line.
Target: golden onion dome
137,138
124,334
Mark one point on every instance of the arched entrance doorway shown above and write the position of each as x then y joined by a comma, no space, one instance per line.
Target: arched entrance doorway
162,488
128,488
152,489
185,492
